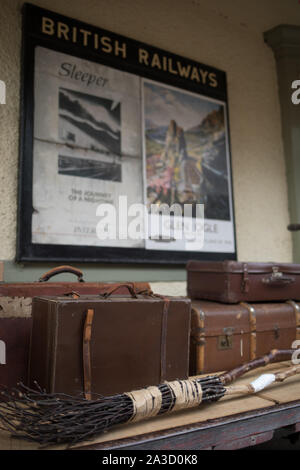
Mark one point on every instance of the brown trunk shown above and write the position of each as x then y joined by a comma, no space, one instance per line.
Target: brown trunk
224,336
232,281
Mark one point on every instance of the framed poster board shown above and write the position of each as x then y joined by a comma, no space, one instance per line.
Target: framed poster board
112,126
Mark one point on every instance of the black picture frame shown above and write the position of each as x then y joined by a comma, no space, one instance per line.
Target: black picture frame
32,37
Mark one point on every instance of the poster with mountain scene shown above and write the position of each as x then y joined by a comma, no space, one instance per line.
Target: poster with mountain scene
186,150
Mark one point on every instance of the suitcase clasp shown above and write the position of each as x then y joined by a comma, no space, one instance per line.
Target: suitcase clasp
276,274
278,278
226,341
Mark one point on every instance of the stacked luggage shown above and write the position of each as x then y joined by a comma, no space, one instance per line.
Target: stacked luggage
91,338
241,311
16,315
99,338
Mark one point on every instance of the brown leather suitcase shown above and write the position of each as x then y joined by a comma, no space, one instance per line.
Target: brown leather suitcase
232,281
15,316
93,344
224,336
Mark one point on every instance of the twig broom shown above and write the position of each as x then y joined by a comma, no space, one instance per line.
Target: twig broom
61,419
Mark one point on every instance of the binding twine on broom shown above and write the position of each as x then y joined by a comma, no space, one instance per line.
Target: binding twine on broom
148,402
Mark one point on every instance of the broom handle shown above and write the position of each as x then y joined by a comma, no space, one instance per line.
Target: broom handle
262,382
273,356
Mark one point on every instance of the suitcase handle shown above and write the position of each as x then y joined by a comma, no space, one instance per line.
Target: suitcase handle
62,269
278,277
110,291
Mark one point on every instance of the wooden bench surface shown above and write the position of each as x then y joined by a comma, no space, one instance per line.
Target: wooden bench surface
232,421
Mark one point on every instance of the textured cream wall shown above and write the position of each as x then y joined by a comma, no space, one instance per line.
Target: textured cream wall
226,34
169,288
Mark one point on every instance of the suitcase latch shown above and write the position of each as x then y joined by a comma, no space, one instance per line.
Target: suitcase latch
276,331
276,274
226,341
278,278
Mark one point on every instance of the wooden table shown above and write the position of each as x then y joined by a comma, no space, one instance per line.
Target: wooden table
231,423
230,433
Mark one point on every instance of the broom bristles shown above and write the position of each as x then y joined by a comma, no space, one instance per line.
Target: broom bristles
57,418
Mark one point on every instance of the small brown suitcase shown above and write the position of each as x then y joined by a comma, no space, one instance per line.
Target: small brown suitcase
108,345
232,281
224,336
15,316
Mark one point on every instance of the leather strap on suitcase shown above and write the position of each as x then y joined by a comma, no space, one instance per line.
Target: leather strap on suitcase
86,354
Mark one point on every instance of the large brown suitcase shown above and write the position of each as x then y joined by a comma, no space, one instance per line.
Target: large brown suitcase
93,344
232,281
15,316
224,336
